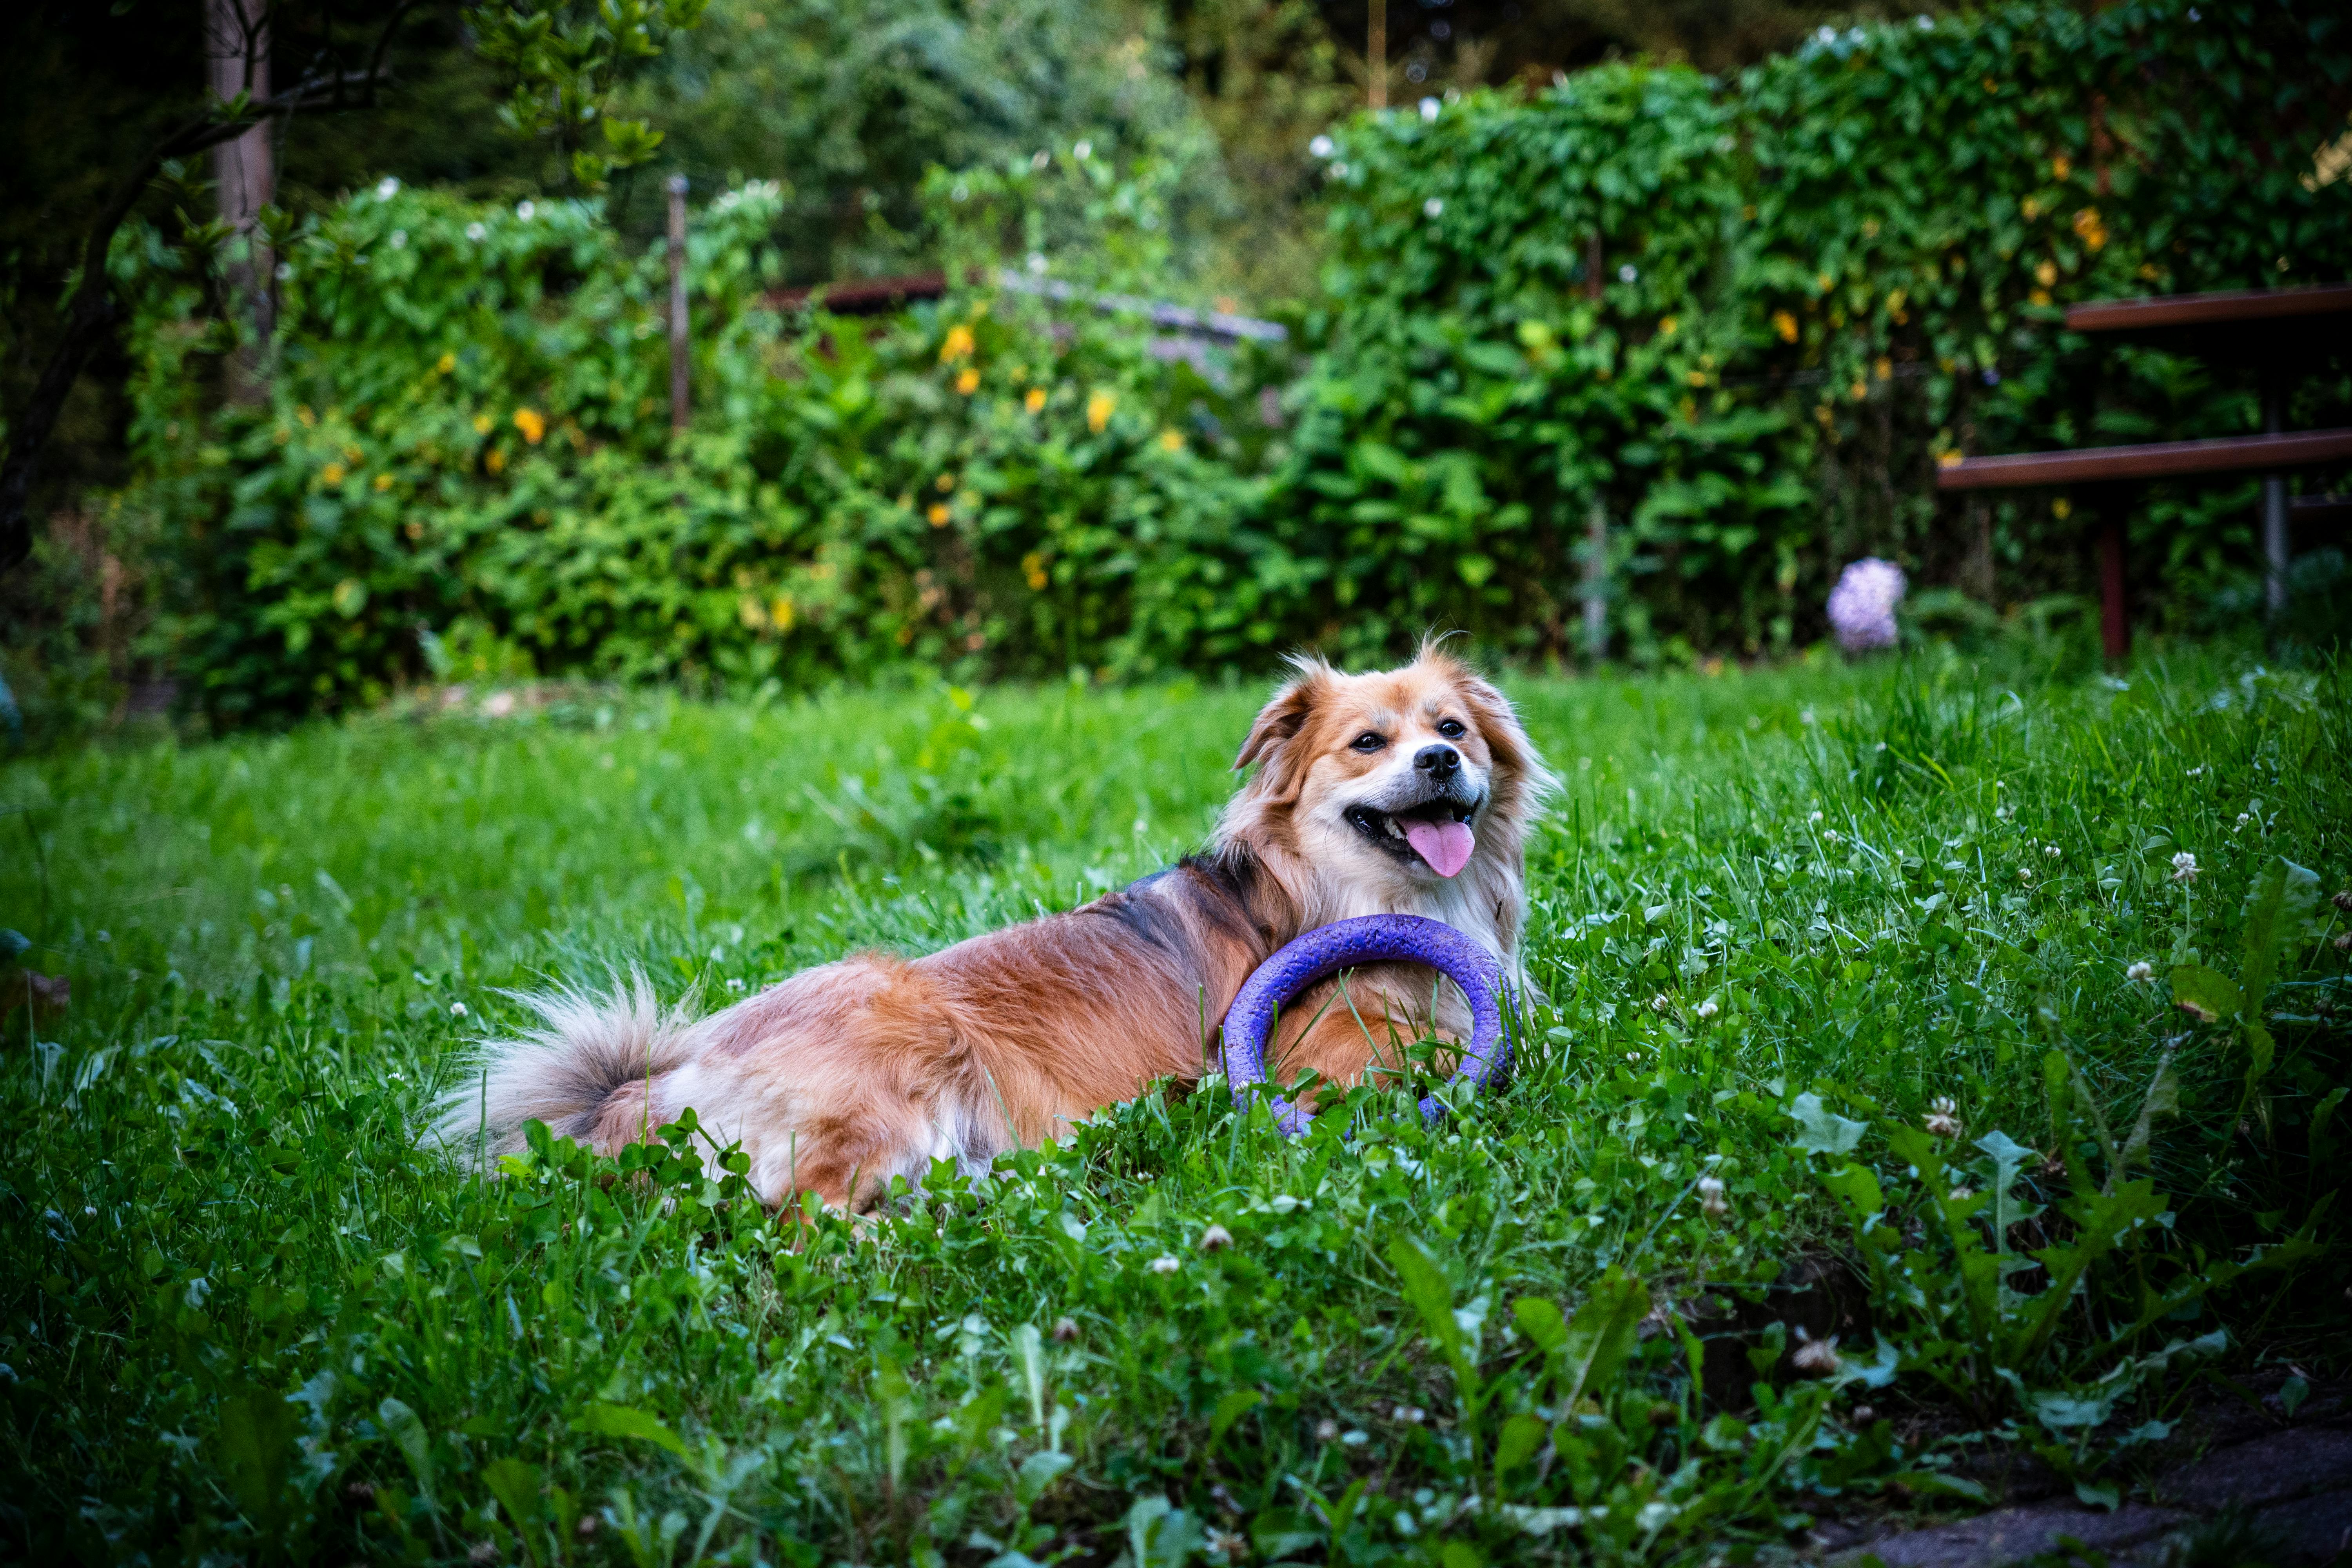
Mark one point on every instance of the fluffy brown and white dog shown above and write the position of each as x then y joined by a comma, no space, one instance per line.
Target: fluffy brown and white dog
1407,791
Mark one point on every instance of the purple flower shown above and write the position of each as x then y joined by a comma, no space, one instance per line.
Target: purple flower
1861,605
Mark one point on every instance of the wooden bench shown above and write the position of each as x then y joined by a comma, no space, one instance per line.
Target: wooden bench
2273,332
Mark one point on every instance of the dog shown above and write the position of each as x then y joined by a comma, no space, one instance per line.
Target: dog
1406,791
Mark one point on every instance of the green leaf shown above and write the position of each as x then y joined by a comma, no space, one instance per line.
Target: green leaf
516,1485
1038,1472
258,1430
1541,1321
1426,1291
603,1420
2163,1099
1601,1335
1522,1434
1235,1405
1822,1131
2258,955
2206,994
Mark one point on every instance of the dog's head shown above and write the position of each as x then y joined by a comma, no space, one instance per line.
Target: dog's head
1396,781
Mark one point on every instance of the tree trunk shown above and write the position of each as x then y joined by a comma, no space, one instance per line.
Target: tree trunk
244,172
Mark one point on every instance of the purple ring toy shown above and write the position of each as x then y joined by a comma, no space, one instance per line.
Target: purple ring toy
1370,939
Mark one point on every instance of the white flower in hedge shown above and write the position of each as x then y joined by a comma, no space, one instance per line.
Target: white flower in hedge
524,209
1083,150
1428,107
1627,273
386,188
1431,207
476,232
1321,147
2184,867
2142,971
1165,1265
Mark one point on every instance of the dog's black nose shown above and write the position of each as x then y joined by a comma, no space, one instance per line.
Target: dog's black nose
1439,762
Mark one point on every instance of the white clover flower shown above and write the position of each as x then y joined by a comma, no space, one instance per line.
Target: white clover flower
1165,1265
2005,812
1659,1004
2143,971
1815,817
1216,1238
456,1009
2052,850
386,188
1321,147
1431,207
478,232
1861,606
2184,867
1943,1117
1083,150
2197,771
1832,834
2244,817
2025,873
1815,1358
1710,1197
1627,273
1963,1192
1428,107
1707,1009
1326,1430
524,209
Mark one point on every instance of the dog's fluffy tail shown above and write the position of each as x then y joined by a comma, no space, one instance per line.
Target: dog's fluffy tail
586,1048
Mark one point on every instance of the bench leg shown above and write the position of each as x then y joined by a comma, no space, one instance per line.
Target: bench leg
2115,618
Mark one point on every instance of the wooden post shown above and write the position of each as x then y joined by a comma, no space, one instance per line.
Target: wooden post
1596,583
2275,537
2114,614
680,382
237,50
1376,53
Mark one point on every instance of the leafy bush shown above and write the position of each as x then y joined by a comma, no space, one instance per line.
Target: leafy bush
1733,327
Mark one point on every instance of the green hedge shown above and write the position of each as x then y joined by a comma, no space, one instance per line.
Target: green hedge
1814,282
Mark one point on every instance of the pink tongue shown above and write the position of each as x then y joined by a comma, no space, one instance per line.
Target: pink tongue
1446,845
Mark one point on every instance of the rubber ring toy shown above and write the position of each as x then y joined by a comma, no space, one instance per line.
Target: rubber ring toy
1346,944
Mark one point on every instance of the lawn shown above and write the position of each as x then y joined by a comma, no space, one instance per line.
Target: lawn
1778,917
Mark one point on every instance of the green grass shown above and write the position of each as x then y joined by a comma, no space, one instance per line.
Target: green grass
245,1318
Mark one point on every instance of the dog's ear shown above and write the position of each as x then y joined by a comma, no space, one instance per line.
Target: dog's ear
1281,719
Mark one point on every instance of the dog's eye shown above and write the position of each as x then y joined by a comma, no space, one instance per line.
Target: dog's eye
1451,728
1370,740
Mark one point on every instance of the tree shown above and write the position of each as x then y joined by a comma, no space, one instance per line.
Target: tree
559,61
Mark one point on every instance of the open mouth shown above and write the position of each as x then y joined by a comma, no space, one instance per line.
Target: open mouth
1437,831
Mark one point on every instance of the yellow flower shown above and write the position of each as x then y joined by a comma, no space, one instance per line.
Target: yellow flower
1785,325
1857,391
780,614
2061,508
946,483
309,420
481,423
1036,401
938,514
1823,284
1990,85
531,423
496,461
1098,410
1666,325
1870,229
1884,368
1947,460
2060,168
2089,228
332,473
1695,377
958,344
1170,441
384,482
2030,208
448,363
2046,274
967,382
2039,297
1033,566
753,613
